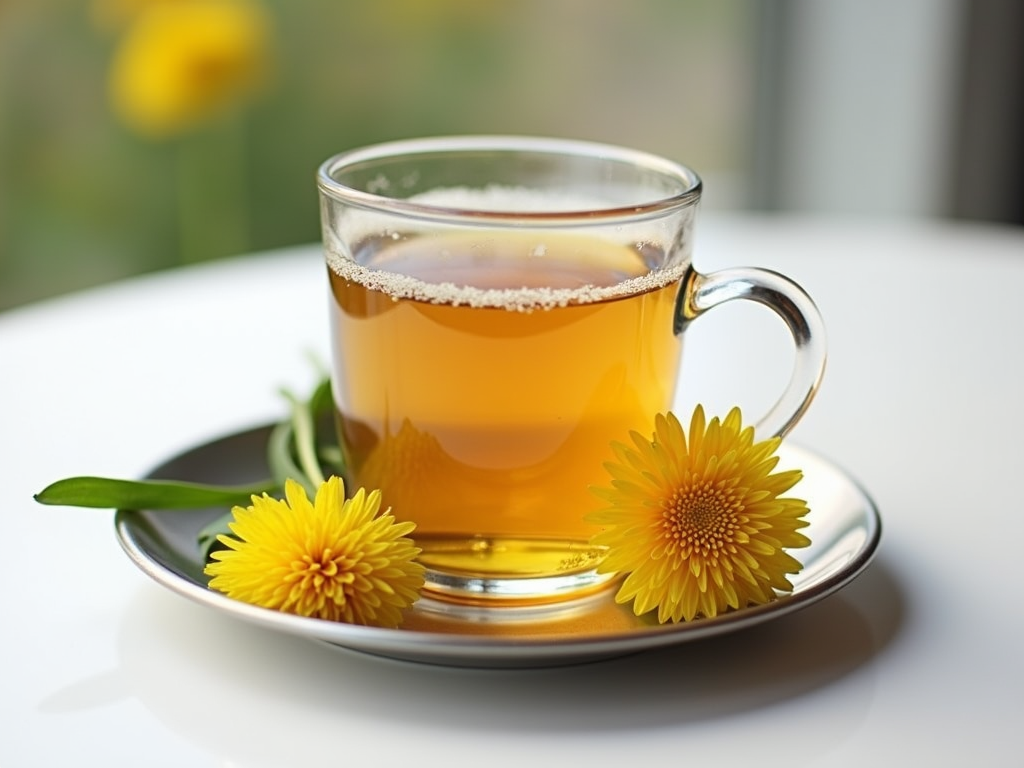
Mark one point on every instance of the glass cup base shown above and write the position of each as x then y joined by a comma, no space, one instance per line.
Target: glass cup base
517,591
489,571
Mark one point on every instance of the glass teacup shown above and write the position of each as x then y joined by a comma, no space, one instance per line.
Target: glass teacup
502,310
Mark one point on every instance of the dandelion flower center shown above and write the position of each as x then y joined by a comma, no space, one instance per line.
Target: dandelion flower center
315,572
702,516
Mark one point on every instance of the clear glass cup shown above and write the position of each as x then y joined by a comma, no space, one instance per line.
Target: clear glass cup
501,310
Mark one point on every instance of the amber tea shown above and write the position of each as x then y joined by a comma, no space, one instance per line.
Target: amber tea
486,376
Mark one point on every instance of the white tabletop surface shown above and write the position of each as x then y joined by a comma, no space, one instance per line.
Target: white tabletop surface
920,657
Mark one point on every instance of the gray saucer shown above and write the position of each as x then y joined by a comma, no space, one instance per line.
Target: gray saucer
845,529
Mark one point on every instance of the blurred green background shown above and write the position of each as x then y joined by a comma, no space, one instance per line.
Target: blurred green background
83,200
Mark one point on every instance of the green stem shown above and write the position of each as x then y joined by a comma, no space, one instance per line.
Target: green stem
305,441
212,192
279,454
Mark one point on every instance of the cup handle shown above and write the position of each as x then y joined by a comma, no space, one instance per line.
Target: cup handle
788,300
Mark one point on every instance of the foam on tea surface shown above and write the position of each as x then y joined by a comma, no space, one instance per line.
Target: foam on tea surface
503,267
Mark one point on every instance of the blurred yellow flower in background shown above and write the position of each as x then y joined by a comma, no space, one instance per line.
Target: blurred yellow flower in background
180,64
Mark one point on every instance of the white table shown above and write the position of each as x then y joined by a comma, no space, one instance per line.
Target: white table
920,656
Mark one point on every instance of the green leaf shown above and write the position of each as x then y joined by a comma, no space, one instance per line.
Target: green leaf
321,402
304,440
109,493
207,537
280,457
332,459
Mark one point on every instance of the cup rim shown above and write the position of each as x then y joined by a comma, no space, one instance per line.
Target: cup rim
689,180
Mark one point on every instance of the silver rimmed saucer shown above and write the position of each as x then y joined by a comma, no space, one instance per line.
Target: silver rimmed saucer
845,529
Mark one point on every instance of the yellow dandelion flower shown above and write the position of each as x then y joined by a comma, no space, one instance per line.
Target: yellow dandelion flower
334,558
180,64
697,523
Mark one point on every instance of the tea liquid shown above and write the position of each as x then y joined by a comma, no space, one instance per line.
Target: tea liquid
480,381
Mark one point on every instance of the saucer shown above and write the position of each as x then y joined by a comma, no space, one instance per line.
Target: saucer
844,528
